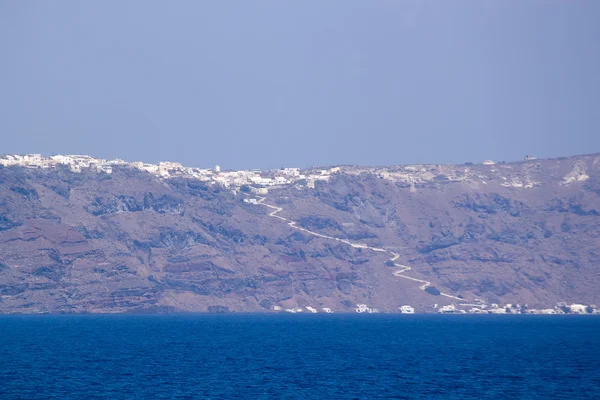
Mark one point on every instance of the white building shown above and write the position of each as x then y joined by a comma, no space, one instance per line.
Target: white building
259,190
475,310
104,168
258,180
116,161
361,308
165,167
451,309
406,310
60,159
578,309
291,171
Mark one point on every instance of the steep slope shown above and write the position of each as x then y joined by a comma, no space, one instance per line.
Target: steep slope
132,242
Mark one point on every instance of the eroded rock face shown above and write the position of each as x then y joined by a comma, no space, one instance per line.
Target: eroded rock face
130,242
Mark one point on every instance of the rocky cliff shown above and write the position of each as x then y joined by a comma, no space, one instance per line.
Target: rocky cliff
74,242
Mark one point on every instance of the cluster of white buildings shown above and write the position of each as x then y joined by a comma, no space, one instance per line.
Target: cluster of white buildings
479,307
475,307
259,180
300,309
363,308
564,308
75,162
450,309
360,308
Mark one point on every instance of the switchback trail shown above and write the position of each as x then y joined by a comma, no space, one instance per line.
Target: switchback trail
399,273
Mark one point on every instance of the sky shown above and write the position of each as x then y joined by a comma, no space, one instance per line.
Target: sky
270,84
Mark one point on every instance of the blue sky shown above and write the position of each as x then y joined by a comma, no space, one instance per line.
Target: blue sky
268,84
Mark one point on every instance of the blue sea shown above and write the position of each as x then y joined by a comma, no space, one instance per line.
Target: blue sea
299,357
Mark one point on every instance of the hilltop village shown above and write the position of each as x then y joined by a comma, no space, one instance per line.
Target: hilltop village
487,173
164,170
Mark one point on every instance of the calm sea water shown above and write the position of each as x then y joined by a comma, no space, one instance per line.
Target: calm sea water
299,357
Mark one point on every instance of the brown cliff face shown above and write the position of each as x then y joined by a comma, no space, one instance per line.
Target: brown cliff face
130,242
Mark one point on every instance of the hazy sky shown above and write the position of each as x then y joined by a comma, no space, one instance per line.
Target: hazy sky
266,84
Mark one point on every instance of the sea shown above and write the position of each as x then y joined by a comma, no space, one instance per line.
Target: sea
299,356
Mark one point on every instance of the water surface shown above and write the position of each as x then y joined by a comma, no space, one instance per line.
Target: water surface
300,356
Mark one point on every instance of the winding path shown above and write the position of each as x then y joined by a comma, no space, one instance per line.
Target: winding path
399,273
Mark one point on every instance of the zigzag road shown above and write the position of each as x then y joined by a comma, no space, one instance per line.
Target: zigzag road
399,273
